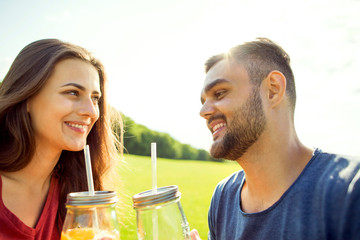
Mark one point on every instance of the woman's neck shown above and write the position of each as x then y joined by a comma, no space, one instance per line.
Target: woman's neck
38,172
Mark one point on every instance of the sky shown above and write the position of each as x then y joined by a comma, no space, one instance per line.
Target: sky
154,54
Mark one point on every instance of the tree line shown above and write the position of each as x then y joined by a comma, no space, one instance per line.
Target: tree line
138,138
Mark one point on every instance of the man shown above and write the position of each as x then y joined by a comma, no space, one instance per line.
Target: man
285,190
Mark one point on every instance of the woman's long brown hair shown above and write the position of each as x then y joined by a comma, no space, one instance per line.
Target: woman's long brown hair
26,76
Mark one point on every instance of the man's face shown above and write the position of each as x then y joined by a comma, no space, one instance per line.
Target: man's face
233,109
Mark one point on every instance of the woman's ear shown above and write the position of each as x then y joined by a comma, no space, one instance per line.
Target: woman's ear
276,88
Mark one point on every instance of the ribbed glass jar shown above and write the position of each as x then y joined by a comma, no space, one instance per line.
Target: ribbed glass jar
91,217
160,215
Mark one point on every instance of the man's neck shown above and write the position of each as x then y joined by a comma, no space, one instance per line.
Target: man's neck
270,170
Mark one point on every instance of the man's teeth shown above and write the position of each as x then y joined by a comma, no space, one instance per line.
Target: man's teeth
217,126
76,125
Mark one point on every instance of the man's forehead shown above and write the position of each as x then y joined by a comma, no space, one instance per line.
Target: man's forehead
221,65
224,69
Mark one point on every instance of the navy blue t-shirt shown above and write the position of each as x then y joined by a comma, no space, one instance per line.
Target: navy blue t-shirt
323,203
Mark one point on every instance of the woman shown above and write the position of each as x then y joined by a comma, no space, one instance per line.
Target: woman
52,103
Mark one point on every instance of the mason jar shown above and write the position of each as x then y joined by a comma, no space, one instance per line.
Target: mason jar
91,217
160,216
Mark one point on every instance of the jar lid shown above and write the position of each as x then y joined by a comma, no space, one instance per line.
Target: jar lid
162,195
84,198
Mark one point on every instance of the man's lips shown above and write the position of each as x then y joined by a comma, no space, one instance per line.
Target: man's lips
216,126
217,129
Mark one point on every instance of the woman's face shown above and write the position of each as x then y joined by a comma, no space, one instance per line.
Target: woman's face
64,111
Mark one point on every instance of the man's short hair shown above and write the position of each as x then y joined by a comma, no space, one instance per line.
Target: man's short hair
259,58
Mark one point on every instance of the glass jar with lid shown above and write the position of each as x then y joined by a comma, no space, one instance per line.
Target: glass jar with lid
160,215
91,217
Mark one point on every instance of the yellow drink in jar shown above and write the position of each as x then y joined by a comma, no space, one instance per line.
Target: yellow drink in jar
87,234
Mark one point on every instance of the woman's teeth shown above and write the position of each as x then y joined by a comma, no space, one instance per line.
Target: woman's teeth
76,125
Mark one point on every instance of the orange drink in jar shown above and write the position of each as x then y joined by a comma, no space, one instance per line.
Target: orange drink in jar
88,234
91,216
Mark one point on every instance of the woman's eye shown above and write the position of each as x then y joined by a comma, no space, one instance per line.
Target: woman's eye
96,99
73,92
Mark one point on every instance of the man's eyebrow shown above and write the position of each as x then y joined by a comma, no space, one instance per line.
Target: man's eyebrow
212,85
82,88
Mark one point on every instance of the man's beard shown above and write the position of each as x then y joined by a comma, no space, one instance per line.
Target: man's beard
243,131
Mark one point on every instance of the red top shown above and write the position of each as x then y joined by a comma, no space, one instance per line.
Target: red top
11,227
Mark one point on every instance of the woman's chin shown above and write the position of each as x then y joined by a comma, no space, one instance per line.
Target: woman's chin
76,147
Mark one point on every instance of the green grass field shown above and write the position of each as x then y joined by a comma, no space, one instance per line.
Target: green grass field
196,181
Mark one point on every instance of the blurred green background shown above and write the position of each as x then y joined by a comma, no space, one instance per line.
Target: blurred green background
196,181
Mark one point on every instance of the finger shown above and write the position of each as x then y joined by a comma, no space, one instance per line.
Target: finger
194,235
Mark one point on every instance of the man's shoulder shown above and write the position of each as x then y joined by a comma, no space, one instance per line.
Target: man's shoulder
337,165
337,173
233,181
336,190
226,191
335,157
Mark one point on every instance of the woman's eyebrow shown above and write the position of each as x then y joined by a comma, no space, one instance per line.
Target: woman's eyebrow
82,88
75,85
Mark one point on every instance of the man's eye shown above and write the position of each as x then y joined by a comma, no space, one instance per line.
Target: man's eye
219,94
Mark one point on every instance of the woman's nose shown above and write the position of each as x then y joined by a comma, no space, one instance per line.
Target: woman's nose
89,108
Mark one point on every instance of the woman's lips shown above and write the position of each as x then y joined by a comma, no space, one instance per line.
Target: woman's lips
79,127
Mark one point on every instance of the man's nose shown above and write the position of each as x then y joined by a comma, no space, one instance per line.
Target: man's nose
207,109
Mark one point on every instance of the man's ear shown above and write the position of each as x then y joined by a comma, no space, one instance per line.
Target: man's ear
276,88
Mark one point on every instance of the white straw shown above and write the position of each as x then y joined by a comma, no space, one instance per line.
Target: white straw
89,175
153,165
154,190
90,182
